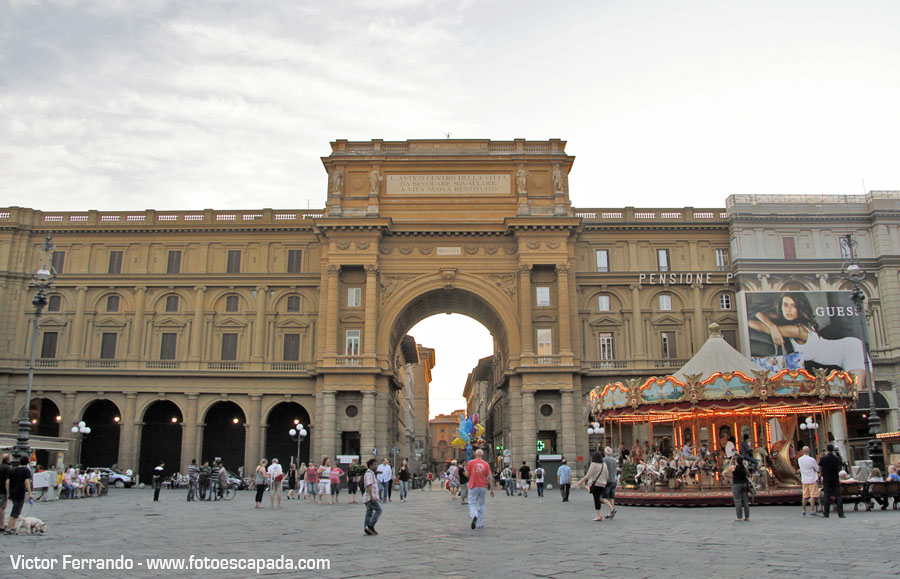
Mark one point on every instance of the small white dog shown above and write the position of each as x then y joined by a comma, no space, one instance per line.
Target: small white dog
30,524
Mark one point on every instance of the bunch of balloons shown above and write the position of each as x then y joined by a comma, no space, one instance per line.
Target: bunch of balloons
469,434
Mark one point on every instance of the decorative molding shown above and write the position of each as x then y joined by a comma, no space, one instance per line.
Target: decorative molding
506,282
363,244
425,249
391,283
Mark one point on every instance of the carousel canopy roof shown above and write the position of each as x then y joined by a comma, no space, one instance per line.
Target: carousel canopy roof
716,355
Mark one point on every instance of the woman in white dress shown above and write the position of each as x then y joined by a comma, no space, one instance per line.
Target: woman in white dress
325,480
795,321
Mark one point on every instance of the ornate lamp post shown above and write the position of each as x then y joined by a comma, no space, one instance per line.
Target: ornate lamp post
810,427
298,433
852,271
42,278
84,430
595,430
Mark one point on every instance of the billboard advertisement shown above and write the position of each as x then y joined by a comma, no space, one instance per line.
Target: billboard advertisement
805,329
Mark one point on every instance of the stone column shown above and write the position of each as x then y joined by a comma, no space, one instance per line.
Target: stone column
332,314
135,344
525,309
367,434
634,262
252,454
76,337
69,420
838,426
127,443
699,326
529,427
189,448
327,421
196,353
259,338
565,316
516,446
569,422
371,313
383,429
637,334
137,429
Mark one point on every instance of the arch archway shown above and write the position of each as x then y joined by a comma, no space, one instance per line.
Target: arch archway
160,438
278,441
224,434
101,446
44,416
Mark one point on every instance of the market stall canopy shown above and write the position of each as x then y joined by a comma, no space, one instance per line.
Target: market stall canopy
716,355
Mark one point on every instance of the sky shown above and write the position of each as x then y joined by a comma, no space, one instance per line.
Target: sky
229,104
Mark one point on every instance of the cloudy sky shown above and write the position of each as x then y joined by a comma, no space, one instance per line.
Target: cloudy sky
117,104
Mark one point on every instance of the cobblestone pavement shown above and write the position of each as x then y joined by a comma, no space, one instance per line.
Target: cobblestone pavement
431,536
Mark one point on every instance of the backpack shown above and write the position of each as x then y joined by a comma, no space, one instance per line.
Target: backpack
539,473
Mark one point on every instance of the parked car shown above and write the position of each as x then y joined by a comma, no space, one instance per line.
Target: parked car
116,478
235,481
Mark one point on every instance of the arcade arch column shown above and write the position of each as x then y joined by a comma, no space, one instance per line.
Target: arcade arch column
367,435
253,450
569,424
127,445
189,449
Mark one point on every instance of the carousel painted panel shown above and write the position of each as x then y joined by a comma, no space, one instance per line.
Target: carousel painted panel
662,390
721,386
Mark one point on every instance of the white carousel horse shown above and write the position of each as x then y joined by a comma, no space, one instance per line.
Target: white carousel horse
649,473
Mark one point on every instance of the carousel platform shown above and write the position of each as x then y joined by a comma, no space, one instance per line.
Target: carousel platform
706,498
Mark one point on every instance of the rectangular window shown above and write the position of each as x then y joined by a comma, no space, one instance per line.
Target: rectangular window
544,342
602,303
603,260
293,260
48,346
58,261
543,296
722,263
112,304
293,304
173,265
730,336
229,346
108,345
352,344
665,302
354,297
724,301
115,262
291,347
171,304
231,303
54,303
662,259
234,261
167,346
606,347
668,345
790,251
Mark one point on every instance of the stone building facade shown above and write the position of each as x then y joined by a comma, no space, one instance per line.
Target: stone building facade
182,334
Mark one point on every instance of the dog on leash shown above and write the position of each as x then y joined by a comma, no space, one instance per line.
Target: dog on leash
31,525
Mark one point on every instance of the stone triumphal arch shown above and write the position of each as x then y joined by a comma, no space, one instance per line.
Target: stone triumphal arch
466,227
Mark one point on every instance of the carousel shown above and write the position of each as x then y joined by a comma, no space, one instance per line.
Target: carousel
680,432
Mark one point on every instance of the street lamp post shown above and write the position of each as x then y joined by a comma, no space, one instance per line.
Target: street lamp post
42,278
852,271
82,429
595,429
810,427
298,433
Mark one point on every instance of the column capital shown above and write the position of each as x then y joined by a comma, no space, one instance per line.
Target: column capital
562,268
369,393
262,288
255,397
193,396
333,269
200,288
130,395
81,288
634,287
140,288
524,268
371,268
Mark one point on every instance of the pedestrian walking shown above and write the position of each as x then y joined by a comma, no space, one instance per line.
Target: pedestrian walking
158,480
740,488
18,483
453,479
612,479
370,498
830,466
203,480
214,480
463,485
223,480
336,473
5,466
193,479
564,480
301,481
809,476
596,478
480,480
403,480
539,480
385,480
524,478
312,484
292,479
259,479
325,480
275,478
353,479
430,479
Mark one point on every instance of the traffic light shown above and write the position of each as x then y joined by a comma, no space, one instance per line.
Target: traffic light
499,448
541,446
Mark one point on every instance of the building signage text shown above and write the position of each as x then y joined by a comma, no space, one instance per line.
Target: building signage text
448,184
449,251
682,278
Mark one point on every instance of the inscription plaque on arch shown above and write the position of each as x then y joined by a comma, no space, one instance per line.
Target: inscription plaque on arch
448,185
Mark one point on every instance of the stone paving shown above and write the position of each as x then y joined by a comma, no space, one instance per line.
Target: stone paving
430,536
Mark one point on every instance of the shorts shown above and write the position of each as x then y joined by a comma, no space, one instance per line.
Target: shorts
609,491
3,500
325,487
811,490
523,484
16,508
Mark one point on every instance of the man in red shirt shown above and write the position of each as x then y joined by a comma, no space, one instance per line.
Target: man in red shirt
480,479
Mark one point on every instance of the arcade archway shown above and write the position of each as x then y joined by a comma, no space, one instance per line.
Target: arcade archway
282,418
160,438
224,435
101,446
45,418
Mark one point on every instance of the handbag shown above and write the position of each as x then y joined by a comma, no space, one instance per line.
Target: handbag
776,362
596,478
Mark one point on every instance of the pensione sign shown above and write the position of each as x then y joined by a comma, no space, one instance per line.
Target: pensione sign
686,278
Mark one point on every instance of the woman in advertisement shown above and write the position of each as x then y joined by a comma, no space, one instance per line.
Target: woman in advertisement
793,319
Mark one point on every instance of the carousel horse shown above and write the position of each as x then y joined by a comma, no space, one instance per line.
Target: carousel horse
784,463
763,475
649,473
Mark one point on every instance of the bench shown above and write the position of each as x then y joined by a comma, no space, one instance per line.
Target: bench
882,493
